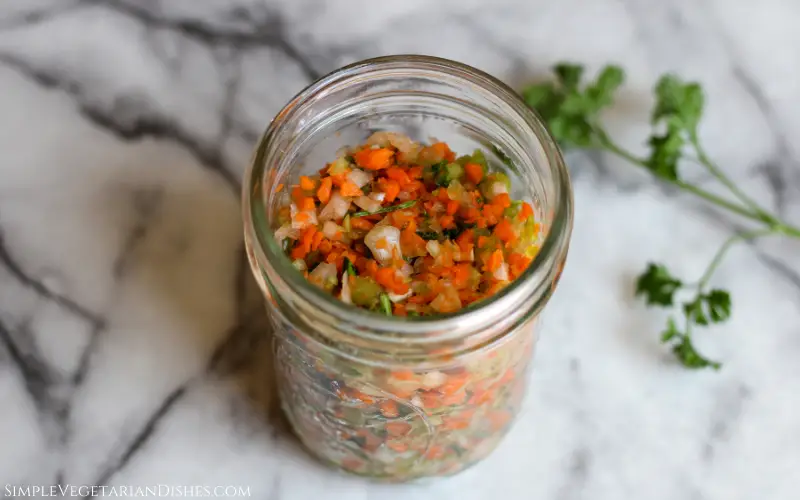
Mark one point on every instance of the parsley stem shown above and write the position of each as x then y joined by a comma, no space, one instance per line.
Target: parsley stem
609,145
736,238
726,181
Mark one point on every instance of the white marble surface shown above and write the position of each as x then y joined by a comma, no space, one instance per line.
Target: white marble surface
131,338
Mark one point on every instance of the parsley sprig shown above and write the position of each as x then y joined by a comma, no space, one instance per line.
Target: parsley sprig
571,108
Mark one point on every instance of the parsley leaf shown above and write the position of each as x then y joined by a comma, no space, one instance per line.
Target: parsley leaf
679,101
714,307
689,357
570,110
657,285
666,152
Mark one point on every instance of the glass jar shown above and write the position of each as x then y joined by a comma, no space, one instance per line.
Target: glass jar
390,397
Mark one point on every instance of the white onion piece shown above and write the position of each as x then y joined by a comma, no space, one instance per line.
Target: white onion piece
336,208
378,196
501,273
286,231
392,236
324,275
367,203
433,379
400,141
359,177
460,256
397,298
433,248
346,296
497,188
310,221
330,228
406,271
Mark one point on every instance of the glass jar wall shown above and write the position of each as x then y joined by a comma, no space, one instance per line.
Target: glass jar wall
392,397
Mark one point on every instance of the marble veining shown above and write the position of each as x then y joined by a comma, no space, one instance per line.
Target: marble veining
132,338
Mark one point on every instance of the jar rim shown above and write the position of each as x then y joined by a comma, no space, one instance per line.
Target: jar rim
553,248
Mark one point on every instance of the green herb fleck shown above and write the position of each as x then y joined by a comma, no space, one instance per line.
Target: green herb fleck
402,206
386,304
657,285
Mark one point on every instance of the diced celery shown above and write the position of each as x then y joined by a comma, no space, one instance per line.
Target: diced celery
365,291
340,166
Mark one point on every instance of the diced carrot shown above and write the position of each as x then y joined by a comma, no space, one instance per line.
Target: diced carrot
526,211
415,172
495,261
397,429
403,375
374,159
398,446
279,188
302,217
349,188
308,203
447,221
306,183
391,190
297,195
318,237
504,231
389,409
398,174
452,207
324,191
474,172
361,223
502,200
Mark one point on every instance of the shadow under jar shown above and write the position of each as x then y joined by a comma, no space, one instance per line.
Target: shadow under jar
400,398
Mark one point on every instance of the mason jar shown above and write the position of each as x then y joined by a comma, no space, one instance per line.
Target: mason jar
400,398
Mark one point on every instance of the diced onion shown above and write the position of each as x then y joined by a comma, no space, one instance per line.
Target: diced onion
367,203
336,208
330,228
346,297
377,196
359,177
324,275
311,220
392,237
501,273
394,297
433,248
286,231
497,188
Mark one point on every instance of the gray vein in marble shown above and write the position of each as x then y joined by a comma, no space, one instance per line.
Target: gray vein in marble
729,413
270,31
37,15
141,438
8,261
131,131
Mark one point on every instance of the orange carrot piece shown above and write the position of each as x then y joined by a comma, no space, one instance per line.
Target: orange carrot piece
474,172
495,261
349,188
374,159
306,183
361,223
324,191
452,207
308,203
502,200
504,231
279,188
526,211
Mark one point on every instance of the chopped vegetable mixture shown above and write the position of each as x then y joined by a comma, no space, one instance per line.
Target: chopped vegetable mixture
404,229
